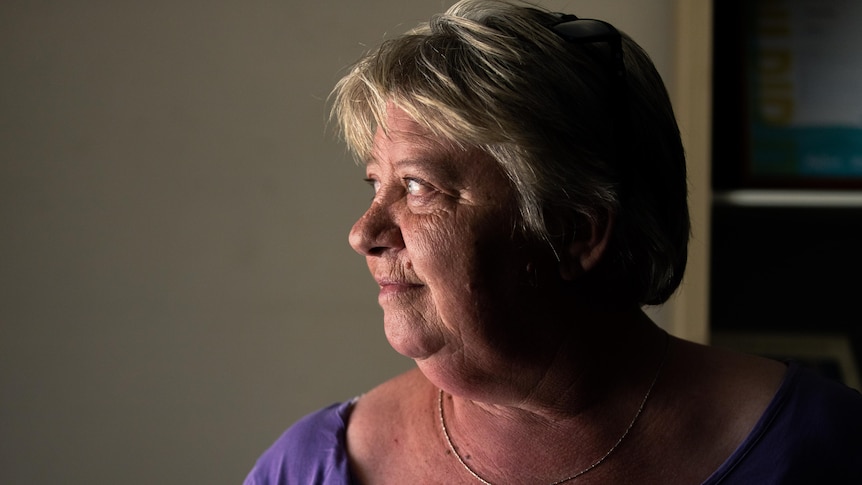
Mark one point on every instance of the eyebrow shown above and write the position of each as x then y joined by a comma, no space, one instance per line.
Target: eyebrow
443,165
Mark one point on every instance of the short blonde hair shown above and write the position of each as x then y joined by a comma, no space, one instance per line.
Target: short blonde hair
494,75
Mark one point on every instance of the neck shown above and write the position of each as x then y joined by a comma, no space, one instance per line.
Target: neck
571,366
590,392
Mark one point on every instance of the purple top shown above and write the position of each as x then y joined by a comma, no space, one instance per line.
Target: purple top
312,451
811,432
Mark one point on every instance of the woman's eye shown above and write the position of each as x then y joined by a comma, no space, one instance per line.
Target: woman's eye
416,187
413,187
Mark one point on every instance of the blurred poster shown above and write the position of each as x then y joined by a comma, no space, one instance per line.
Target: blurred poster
804,70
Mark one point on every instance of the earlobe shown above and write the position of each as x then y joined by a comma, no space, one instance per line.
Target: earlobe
587,248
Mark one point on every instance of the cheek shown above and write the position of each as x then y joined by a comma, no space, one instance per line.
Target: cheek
469,262
438,255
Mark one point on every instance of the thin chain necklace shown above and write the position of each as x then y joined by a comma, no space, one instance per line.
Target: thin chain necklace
585,470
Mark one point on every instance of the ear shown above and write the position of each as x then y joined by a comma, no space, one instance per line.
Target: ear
585,250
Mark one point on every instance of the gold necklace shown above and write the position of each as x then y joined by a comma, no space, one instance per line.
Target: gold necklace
585,470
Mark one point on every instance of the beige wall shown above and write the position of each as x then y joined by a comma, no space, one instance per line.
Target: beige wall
175,282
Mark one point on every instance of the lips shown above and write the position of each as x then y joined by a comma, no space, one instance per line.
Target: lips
396,286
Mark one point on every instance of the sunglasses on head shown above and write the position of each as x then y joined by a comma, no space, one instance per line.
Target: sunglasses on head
591,31
608,46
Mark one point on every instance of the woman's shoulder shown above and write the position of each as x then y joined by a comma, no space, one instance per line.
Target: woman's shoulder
762,417
390,428
312,450
386,408
810,433
822,412
315,448
731,379
706,403
747,383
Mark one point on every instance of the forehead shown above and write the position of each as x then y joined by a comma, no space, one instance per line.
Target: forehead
402,134
406,143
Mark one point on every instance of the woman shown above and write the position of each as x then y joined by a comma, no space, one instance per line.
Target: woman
529,198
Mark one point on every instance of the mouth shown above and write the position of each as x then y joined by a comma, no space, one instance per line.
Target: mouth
392,287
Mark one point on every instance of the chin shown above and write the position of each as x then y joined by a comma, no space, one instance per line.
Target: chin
413,341
415,349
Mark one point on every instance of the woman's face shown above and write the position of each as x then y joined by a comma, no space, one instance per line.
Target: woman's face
440,240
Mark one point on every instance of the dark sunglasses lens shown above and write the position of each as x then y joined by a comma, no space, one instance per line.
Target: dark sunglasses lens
585,30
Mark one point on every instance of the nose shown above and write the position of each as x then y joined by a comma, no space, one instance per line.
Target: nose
376,231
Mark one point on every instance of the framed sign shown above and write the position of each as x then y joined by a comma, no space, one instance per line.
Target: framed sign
794,67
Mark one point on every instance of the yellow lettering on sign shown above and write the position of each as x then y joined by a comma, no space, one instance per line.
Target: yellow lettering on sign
774,68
